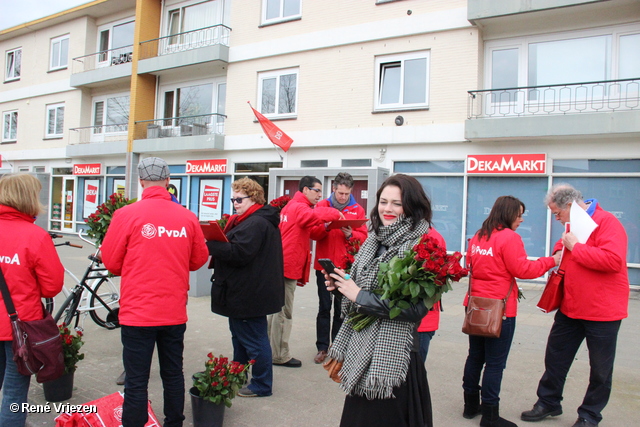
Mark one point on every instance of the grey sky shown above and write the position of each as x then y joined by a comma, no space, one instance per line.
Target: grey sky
15,12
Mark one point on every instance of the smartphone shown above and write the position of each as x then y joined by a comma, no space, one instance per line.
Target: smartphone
327,264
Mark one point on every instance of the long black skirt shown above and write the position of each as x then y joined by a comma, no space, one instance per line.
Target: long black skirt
410,408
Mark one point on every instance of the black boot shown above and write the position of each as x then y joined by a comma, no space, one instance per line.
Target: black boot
471,405
491,417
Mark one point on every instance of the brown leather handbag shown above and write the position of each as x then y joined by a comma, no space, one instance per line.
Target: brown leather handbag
484,316
333,367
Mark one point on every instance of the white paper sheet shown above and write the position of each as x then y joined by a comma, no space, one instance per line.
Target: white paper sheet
581,223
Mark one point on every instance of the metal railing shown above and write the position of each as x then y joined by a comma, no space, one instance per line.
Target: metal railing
95,134
216,34
105,58
574,98
171,127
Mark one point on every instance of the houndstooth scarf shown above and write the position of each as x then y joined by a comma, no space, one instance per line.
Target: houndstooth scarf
376,359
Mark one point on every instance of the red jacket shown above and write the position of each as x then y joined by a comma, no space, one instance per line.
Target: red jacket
296,220
431,322
596,283
153,244
30,265
332,243
497,262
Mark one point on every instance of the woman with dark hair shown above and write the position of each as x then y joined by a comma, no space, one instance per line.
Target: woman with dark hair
32,270
247,282
382,373
495,257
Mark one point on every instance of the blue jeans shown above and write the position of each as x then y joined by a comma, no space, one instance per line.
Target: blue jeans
490,353
139,342
15,388
565,339
325,332
251,341
425,340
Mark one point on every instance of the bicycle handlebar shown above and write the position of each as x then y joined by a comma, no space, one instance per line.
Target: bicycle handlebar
67,243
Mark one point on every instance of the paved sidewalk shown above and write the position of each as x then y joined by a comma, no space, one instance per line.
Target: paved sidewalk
306,397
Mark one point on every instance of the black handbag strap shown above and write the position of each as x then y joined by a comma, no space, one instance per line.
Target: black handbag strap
6,297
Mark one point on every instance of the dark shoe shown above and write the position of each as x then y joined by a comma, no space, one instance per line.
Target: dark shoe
291,363
322,354
583,422
539,413
246,392
491,417
471,405
120,380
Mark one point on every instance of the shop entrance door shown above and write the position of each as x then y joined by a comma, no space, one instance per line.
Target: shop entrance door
68,198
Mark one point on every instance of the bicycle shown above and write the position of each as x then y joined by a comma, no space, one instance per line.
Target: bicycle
95,294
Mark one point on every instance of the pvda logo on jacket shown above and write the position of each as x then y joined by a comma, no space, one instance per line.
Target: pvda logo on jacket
149,231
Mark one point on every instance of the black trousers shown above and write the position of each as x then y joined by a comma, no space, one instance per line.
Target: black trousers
564,341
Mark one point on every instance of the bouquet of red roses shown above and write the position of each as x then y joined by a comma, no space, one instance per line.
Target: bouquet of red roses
423,275
353,246
280,202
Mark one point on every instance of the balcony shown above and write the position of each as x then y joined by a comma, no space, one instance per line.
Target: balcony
101,68
98,140
205,45
483,9
190,133
581,109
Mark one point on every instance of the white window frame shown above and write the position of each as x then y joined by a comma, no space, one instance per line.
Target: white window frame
57,108
4,128
277,74
110,57
10,73
401,58
280,17
98,134
52,59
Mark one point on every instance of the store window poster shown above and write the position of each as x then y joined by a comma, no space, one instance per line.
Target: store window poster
210,201
174,188
91,187
118,186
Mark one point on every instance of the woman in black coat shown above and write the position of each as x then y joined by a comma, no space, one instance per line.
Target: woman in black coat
248,280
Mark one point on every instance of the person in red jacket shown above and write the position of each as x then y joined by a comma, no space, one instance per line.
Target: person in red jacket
32,270
431,322
495,257
595,300
153,244
332,244
297,219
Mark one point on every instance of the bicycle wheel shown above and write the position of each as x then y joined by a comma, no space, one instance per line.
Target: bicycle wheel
67,309
105,304
48,304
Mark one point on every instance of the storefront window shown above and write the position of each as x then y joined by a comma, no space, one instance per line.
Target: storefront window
429,167
483,192
446,195
596,166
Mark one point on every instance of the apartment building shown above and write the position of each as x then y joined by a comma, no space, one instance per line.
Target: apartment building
476,98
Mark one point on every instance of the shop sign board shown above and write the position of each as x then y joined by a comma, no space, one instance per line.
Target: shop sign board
507,164
207,166
87,169
209,197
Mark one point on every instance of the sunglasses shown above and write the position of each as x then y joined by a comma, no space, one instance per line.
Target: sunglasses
238,200
317,190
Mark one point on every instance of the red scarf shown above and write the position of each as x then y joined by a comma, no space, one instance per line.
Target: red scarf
234,220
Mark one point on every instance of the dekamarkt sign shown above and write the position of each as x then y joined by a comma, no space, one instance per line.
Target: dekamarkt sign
207,166
507,164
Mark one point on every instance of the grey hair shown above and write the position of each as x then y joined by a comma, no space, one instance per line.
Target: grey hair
343,178
562,194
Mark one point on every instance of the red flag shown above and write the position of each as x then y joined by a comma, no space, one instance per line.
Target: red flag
273,132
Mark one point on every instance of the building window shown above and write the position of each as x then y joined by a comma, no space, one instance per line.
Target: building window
10,126
314,163
59,53
348,163
55,120
182,23
278,93
38,169
402,81
13,63
115,43
111,114
280,10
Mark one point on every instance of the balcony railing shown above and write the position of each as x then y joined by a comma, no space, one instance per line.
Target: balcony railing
575,98
106,58
205,124
217,34
105,133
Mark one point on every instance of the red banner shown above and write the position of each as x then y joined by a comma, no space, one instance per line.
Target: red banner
507,163
273,132
207,166
87,169
210,197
